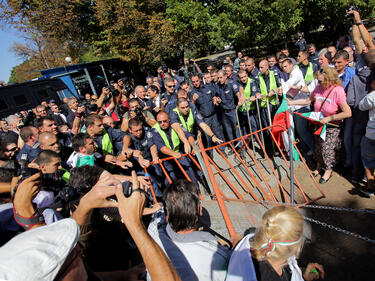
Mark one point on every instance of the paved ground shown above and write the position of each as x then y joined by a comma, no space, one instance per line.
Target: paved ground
345,257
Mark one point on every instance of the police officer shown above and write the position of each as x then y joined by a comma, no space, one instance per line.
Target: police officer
227,91
139,144
249,88
204,102
269,82
308,68
252,70
188,89
170,88
139,148
230,74
313,55
272,62
169,144
190,119
108,140
173,102
31,148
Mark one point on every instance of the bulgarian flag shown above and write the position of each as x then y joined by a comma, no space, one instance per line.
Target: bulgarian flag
285,120
314,118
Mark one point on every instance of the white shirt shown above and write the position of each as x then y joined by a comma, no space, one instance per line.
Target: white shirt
295,79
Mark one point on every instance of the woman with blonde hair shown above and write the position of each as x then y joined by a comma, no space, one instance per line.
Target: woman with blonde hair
271,253
329,99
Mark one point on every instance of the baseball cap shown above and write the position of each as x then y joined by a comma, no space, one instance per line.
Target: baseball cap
39,253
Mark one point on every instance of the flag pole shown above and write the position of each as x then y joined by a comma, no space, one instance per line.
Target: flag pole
291,160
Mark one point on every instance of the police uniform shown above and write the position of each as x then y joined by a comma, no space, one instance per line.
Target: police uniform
283,75
143,145
110,142
29,153
172,104
254,74
206,108
227,94
308,71
314,59
250,89
266,84
189,122
170,139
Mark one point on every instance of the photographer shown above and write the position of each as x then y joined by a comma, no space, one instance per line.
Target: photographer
135,110
37,190
59,240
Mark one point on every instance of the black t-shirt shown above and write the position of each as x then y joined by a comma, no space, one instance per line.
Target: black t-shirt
265,272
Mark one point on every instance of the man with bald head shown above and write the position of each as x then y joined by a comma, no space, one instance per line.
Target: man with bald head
269,82
49,141
169,144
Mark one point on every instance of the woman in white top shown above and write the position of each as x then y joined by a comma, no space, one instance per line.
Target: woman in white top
273,250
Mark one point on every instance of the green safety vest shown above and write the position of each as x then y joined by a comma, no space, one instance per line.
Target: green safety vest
309,76
264,91
190,121
66,175
175,138
107,145
247,93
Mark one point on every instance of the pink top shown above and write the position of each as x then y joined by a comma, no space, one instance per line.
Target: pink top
333,103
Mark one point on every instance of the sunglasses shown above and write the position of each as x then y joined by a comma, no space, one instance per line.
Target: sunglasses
12,149
162,121
170,86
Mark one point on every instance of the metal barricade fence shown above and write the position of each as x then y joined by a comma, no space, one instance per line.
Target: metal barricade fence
252,180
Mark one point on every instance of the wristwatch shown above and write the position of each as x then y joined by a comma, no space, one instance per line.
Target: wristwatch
359,23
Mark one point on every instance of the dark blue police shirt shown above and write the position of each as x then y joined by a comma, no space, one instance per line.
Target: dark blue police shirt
204,103
115,135
28,153
227,93
143,144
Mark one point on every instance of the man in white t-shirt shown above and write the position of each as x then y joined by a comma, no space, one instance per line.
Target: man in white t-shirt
292,87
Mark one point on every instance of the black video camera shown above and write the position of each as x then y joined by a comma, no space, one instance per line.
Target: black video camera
139,112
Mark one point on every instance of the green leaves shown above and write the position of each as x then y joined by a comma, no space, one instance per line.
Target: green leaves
154,31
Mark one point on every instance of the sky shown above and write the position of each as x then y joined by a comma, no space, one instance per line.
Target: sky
7,59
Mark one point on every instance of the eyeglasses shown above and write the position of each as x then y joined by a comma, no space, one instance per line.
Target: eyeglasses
170,86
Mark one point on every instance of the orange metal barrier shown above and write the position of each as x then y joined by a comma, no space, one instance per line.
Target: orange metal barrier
253,183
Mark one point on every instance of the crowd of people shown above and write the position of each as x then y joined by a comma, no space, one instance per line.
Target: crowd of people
94,159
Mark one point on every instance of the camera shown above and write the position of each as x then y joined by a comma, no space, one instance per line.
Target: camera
50,182
92,107
351,8
139,112
126,83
